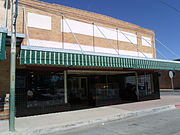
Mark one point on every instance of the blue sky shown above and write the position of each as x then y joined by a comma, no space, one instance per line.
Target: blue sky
151,14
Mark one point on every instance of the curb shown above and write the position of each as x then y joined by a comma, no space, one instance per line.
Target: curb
73,125
169,90
177,106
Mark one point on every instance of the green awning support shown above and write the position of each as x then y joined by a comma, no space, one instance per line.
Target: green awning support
2,45
34,57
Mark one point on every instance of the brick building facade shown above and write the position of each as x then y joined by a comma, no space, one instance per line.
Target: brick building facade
165,81
70,59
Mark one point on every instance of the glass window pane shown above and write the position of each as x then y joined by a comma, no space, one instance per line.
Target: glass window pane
45,89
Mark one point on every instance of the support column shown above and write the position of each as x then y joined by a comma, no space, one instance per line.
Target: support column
65,87
137,89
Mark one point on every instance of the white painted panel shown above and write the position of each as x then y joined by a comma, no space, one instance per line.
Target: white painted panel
146,41
97,33
112,34
148,55
121,37
45,43
87,48
77,27
105,50
106,33
101,32
129,53
70,46
39,21
127,37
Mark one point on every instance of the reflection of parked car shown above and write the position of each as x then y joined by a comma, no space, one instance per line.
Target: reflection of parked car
42,94
43,90
47,94
60,93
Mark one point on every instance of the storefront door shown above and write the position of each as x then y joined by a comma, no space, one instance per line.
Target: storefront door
78,92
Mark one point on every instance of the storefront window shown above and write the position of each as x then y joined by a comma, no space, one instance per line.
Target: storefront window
145,85
129,89
106,88
45,89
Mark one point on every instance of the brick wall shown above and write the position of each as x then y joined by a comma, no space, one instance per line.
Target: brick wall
4,72
165,81
55,11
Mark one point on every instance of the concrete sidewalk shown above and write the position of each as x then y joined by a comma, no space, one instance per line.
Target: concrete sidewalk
44,124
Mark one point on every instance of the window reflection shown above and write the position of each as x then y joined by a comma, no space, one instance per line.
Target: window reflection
145,84
45,89
107,88
130,92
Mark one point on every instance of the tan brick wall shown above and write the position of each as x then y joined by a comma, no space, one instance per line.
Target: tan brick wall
165,81
55,34
4,73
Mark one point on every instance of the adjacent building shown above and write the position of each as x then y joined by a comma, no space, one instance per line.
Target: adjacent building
70,59
165,82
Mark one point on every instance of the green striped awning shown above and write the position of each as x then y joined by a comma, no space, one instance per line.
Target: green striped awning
72,59
2,45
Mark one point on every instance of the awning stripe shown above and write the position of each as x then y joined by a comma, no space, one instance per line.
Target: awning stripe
68,59
2,46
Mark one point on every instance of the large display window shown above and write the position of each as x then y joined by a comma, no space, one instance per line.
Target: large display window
145,85
129,92
45,89
107,88
39,92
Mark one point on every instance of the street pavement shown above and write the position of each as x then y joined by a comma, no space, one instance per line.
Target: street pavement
164,123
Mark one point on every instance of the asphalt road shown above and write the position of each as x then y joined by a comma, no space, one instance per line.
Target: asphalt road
165,123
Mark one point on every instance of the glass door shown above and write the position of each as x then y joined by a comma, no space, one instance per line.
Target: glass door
78,91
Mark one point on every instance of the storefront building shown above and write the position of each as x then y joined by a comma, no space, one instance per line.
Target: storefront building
69,59
165,83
